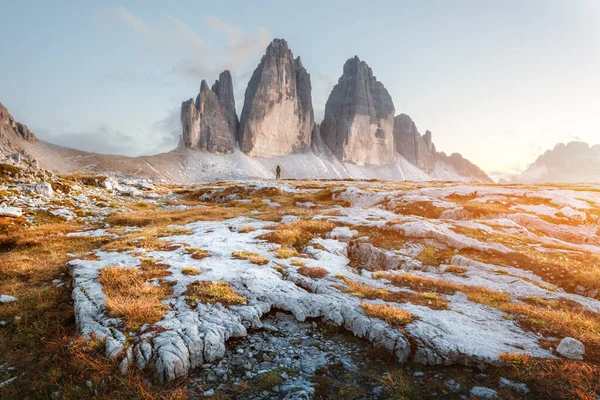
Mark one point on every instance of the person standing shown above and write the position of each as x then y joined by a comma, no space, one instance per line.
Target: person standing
278,172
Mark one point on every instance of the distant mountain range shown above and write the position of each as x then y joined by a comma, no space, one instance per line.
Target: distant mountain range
360,136
572,162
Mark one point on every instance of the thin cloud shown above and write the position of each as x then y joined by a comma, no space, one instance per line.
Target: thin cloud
192,56
135,23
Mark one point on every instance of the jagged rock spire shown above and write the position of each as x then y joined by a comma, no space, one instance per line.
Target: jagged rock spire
277,118
211,122
359,117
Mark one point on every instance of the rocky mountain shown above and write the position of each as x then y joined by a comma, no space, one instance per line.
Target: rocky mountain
359,117
277,118
13,134
211,122
416,149
359,137
463,166
420,151
572,162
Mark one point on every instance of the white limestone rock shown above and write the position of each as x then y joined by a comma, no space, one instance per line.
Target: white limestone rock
571,348
10,212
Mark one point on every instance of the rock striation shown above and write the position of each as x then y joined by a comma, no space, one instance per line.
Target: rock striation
211,122
359,117
277,118
416,149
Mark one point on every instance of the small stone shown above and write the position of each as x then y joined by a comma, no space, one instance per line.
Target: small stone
89,384
517,387
209,393
484,393
4,299
571,348
418,374
452,385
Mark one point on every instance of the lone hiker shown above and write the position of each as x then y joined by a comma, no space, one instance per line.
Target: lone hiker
278,172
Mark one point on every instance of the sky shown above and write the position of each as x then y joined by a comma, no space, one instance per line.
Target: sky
498,81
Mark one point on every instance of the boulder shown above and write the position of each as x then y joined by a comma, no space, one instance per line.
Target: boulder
43,189
210,123
277,118
359,118
11,212
483,393
571,348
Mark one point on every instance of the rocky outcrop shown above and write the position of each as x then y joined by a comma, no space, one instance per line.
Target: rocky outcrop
420,151
211,122
277,118
359,117
13,134
416,149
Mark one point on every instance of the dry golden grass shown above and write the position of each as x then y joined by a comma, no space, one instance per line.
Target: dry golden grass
190,271
424,209
361,291
297,234
297,263
431,255
131,297
555,379
246,229
313,272
197,254
213,292
455,269
392,315
43,345
286,252
254,258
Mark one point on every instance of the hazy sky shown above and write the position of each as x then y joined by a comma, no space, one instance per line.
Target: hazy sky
498,81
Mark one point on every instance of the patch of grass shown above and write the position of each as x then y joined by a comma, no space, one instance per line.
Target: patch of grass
297,234
268,380
313,272
456,270
392,315
554,379
431,300
190,271
297,263
254,258
286,252
213,292
131,297
399,386
197,254
431,255
246,229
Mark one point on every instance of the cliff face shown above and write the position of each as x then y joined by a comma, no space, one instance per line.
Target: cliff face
277,118
211,123
13,134
416,149
359,117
